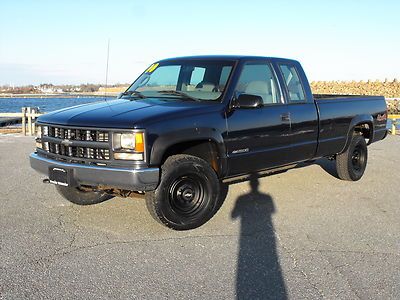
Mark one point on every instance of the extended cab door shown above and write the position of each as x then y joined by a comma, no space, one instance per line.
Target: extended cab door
302,110
258,138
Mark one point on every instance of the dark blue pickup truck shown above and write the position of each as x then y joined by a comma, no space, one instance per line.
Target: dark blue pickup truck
188,124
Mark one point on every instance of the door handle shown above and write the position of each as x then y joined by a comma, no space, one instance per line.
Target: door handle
285,117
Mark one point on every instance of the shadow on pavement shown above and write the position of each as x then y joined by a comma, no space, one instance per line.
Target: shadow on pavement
327,165
259,274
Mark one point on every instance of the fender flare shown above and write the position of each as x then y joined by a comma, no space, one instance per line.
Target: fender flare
164,142
357,120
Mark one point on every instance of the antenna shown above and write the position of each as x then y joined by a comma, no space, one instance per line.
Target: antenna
108,56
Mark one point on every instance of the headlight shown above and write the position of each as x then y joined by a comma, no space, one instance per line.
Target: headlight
128,141
124,141
128,146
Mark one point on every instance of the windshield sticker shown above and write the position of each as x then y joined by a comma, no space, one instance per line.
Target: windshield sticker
152,68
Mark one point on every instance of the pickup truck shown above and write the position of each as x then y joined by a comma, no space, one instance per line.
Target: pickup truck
187,125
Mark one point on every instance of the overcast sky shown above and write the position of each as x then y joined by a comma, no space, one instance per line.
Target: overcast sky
65,42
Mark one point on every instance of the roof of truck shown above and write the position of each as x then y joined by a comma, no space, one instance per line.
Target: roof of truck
224,57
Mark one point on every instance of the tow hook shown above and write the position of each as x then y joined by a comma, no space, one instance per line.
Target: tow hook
46,180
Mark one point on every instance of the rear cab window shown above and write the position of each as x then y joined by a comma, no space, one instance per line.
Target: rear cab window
293,83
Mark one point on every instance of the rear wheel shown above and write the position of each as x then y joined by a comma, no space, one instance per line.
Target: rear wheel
188,193
81,197
351,164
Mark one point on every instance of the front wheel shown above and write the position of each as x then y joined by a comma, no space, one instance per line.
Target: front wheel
351,164
79,196
188,193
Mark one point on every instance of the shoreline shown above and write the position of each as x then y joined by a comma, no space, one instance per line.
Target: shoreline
90,95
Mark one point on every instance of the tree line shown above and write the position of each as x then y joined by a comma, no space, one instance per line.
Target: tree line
52,88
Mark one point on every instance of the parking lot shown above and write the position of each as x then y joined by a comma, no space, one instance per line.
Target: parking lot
298,234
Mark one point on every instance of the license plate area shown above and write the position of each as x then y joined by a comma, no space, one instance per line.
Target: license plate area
59,176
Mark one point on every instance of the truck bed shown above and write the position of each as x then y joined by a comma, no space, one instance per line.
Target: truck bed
336,114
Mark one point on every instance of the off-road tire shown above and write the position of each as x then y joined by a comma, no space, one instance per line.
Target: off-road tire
188,194
351,164
81,197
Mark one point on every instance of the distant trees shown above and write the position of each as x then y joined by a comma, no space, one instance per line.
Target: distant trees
89,88
29,89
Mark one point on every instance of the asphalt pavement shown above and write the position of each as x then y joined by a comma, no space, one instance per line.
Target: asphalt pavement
301,234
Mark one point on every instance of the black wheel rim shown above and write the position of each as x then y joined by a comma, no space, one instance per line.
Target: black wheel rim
188,195
358,158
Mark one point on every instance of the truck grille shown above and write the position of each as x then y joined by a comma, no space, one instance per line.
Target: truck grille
77,134
79,152
75,143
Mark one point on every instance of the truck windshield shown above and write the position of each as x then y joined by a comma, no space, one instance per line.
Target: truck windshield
197,80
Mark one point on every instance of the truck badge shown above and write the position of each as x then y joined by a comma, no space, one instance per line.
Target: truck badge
240,151
66,143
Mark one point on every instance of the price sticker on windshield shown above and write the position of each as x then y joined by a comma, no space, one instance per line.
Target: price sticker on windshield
152,68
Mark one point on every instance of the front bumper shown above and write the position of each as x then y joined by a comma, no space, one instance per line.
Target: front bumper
130,179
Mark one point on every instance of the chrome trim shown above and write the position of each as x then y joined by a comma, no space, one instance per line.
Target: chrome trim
75,143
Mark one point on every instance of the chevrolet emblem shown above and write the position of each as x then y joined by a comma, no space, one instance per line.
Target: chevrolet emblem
66,143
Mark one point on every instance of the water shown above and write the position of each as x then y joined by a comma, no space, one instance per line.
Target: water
44,104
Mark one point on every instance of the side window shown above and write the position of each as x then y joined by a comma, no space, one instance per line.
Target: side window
293,84
258,79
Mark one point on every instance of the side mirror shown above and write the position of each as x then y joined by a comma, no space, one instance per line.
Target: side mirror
248,101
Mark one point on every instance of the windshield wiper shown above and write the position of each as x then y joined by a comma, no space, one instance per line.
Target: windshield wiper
133,93
178,93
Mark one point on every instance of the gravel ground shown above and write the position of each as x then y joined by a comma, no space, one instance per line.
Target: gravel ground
299,234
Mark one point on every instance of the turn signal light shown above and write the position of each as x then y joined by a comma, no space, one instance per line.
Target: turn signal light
139,143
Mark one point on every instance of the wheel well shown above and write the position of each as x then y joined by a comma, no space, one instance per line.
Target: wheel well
204,149
365,130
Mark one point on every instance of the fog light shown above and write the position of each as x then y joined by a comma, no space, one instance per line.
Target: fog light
129,156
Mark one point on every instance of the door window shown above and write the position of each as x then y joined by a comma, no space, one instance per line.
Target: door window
258,79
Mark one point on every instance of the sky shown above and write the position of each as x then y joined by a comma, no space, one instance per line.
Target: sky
65,42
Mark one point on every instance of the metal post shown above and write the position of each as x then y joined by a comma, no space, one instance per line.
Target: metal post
29,121
394,123
33,121
23,109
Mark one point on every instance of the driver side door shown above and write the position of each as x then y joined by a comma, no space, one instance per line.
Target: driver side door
258,138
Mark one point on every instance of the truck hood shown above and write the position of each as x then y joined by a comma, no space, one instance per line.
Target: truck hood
123,113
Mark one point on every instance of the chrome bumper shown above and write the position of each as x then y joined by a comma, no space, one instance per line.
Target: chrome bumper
130,179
